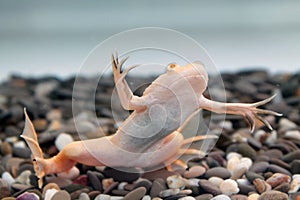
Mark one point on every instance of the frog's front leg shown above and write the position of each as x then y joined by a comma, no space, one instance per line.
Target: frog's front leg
248,110
127,99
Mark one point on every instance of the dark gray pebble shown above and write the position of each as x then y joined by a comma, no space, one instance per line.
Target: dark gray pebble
162,173
208,187
295,155
246,189
243,148
117,192
278,169
219,172
254,143
143,183
251,176
295,167
122,176
136,194
175,197
73,187
274,153
158,185
280,163
94,181
259,167
21,152
25,166
284,187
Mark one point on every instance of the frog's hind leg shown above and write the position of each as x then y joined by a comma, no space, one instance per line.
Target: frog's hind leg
189,150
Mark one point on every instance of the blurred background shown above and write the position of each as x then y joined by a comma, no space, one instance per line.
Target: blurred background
54,37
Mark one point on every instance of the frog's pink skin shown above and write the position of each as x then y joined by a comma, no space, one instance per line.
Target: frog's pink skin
151,135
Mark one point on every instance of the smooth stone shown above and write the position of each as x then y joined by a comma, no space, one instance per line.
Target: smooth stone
221,197
84,196
162,173
62,140
24,167
143,183
6,148
219,172
261,185
245,188
21,152
28,196
273,195
295,184
209,187
286,124
62,194
239,171
259,167
23,178
70,174
274,153
295,169
122,176
277,179
147,197
158,185
118,192
73,187
136,194
49,193
295,155
204,197
280,163
175,181
62,183
284,187
278,169
251,176
94,181
187,198
229,187
82,180
216,180
8,177
253,196
292,134
246,150
194,171
238,197
49,186
169,192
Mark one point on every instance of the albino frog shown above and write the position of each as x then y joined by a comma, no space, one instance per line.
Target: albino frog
151,135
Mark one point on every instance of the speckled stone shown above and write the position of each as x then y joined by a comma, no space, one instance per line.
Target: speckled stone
136,194
273,195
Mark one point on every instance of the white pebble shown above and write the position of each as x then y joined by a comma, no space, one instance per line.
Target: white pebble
295,184
272,139
229,187
232,162
259,134
246,161
175,182
103,197
285,124
187,198
233,154
253,196
122,185
50,193
193,182
8,177
84,196
221,197
216,180
293,134
23,178
147,197
62,140
20,144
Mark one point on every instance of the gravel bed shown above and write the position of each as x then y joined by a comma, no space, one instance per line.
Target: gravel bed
263,165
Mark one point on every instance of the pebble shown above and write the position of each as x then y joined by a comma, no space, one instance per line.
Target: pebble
277,179
219,172
229,187
94,181
6,148
24,177
261,185
295,184
286,124
28,196
194,171
136,194
216,180
169,192
158,185
221,197
62,194
239,171
295,169
273,195
8,178
292,134
49,193
122,176
84,196
209,187
253,196
295,155
62,140
259,167
176,181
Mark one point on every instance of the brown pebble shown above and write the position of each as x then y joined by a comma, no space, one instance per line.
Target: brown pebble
261,185
277,179
238,197
194,172
162,173
273,195
136,194
6,148
204,197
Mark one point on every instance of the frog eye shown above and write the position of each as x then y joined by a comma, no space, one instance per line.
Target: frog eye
172,66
